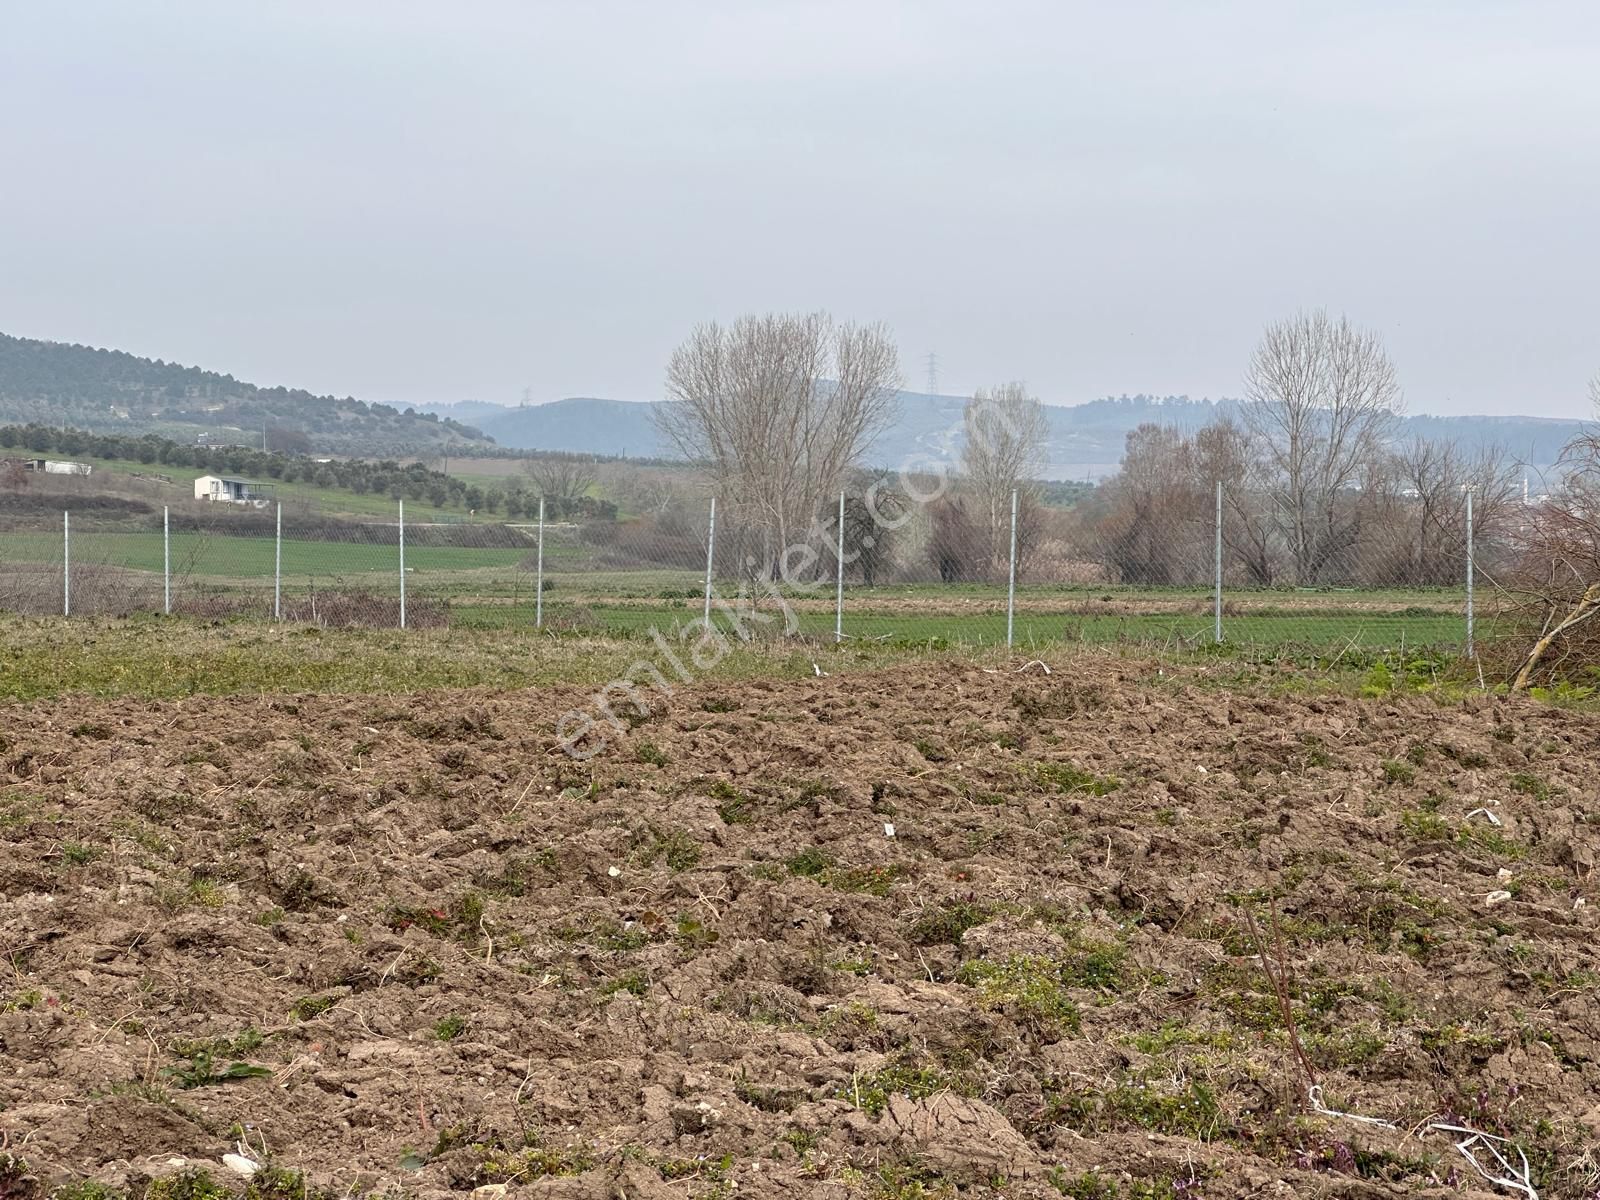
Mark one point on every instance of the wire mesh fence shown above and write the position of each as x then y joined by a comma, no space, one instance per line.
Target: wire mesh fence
865,566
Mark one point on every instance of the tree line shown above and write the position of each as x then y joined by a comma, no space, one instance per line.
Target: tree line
1318,485
1315,487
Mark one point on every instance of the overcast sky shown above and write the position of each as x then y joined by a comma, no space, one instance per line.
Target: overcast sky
426,202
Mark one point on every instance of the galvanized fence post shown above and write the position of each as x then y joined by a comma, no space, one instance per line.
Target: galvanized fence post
838,573
1011,573
402,504
66,563
1216,603
711,548
1471,648
277,568
538,576
166,561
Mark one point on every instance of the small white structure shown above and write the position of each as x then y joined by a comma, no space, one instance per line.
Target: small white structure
52,467
230,491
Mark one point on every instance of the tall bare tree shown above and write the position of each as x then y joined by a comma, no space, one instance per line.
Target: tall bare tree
779,408
1006,436
560,476
1323,398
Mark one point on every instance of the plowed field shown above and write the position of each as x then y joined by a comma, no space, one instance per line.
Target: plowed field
934,929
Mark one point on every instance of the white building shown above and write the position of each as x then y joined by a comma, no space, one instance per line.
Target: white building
231,491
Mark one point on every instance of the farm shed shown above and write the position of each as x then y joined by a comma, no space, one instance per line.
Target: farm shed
233,491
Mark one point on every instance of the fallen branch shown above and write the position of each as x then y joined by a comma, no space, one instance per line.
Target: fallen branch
1588,604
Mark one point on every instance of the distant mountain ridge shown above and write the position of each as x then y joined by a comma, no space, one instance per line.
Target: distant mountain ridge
110,391
1086,440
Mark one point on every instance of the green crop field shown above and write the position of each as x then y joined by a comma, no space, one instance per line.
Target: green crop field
250,559
987,626
494,588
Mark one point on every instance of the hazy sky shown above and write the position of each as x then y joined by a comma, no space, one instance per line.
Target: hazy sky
415,202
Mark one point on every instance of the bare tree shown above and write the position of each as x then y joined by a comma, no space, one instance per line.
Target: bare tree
1227,453
1560,572
1151,520
647,489
875,510
1417,499
955,547
560,476
779,408
1006,436
1323,397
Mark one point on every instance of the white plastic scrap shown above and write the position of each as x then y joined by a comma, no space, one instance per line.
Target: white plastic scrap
888,829
614,872
1517,1181
1494,899
1493,820
1314,1094
1511,1178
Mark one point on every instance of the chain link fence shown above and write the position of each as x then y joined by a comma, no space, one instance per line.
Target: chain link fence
869,566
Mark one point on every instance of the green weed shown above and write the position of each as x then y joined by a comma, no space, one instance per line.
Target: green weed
1066,777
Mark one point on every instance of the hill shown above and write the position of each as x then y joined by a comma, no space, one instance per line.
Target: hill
1086,440
109,391
583,425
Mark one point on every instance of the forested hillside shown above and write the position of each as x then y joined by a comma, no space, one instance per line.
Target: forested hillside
108,391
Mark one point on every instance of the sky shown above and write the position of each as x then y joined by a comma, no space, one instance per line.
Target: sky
420,203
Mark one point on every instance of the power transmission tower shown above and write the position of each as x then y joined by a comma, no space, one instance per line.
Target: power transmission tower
933,374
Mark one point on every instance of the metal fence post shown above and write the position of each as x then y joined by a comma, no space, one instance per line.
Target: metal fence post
277,568
711,547
402,504
166,561
66,563
1471,649
1011,573
538,577
838,572
1217,594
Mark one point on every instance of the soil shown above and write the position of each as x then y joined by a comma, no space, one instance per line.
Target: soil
930,930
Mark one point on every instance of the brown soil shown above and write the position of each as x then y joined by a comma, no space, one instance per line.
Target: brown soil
699,966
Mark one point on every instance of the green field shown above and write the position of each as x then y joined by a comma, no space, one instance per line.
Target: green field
494,588
248,559
1312,627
